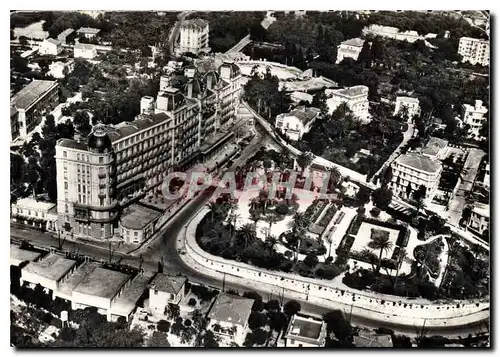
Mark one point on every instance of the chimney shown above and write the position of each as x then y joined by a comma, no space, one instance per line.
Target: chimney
190,89
479,104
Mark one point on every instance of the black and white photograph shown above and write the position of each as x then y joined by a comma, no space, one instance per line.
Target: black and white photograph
249,179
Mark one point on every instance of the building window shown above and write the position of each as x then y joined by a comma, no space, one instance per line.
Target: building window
101,159
156,292
135,234
78,157
101,201
65,185
66,209
65,154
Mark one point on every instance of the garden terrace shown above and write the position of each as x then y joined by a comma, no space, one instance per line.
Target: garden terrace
320,226
428,255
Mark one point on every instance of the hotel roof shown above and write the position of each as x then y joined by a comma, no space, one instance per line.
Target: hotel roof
138,217
198,23
305,115
167,283
125,129
305,329
27,96
351,91
437,142
23,255
53,267
419,162
231,308
102,282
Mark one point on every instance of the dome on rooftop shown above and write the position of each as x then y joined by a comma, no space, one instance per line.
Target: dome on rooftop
99,141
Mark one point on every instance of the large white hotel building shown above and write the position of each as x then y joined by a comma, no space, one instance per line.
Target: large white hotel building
118,165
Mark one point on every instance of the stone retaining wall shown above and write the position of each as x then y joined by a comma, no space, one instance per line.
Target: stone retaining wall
324,293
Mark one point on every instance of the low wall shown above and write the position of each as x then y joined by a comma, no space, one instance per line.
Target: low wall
386,307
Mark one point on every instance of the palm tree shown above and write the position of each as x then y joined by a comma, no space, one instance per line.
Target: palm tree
272,218
214,209
299,225
271,242
476,249
335,175
367,252
304,160
247,233
383,244
233,217
255,216
254,203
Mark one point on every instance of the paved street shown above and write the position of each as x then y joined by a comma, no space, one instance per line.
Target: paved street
468,175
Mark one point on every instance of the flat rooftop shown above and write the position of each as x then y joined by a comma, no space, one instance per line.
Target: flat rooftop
31,203
407,100
69,285
31,93
158,202
102,282
305,329
52,267
167,283
138,217
22,254
231,308
127,301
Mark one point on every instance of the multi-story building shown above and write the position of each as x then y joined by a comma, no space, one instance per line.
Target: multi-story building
474,50
414,170
165,289
85,50
35,213
29,105
411,105
100,178
50,46
474,116
356,98
194,36
479,220
88,32
305,331
349,49
228,317
392,32
66,36
298,122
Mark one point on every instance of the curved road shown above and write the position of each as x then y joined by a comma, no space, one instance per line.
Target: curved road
164,248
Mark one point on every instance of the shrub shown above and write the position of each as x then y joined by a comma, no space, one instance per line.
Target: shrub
56,322
282,209
375,211
163,326
329,260
187,322
256,320
361,211
321,250
311,260
192,302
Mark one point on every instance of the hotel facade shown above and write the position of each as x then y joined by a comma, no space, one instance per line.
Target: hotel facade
118,165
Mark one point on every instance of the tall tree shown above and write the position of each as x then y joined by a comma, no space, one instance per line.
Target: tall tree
381,243
365,56
382,197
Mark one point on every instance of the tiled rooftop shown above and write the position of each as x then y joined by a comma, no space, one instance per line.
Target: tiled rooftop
31,93
167,283
231,308
305,329
419,162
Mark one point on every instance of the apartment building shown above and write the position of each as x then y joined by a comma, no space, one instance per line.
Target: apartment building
50,46
194,36
29,105
305,331
479,220
356,98
228,317
474,115
349,49
66,35
85,50
474,50
165,289
414,169
407,106
298,122
88,32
